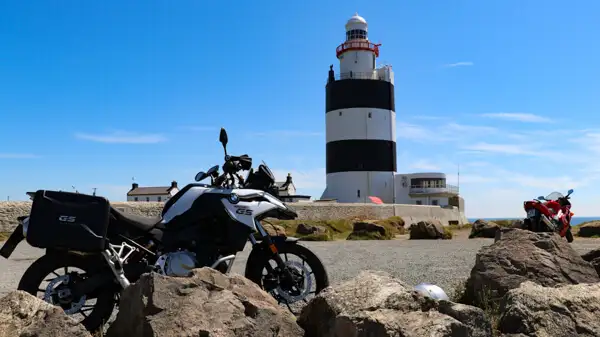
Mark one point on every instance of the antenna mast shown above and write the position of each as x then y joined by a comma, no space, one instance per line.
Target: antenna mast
458,178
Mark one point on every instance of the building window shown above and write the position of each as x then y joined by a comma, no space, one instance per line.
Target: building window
369,115
419,202
135,199
358,193
159,199
434,202
147,198
340,113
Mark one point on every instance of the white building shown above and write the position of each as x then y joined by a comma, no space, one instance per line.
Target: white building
361,131
426,189
287,191
159,193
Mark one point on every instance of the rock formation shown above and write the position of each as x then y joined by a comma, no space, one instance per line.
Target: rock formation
376,305
521,255
23,315
206,304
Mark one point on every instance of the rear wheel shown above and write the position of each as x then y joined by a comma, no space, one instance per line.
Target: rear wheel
308,273
51,278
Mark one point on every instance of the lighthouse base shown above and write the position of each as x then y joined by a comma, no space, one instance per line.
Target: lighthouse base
356,187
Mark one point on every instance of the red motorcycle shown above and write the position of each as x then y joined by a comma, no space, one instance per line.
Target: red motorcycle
550,214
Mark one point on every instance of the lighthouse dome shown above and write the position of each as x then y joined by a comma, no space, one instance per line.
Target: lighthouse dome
356,22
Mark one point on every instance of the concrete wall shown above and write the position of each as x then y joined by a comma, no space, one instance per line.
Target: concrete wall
10,210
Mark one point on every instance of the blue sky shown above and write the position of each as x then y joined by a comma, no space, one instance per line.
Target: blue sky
95,93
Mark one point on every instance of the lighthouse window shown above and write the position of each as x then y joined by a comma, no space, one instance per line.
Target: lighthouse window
369,115
358,193
340,113
356,34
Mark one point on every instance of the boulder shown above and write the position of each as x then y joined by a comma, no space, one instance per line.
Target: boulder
519,256
274,230
483,229
566,311
208,303
518,223
430,229
593,257
24,315
305,229
590,229
376,305
368,230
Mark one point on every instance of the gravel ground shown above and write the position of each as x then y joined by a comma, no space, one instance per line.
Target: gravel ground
443,262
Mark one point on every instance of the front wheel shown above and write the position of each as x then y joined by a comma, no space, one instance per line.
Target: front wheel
308,273
569,236
51,278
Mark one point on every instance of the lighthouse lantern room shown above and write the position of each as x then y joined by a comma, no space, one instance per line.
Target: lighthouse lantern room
360,121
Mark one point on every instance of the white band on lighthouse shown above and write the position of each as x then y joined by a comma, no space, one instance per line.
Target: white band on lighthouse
360,122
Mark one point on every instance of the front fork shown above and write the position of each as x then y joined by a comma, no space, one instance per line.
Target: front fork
275,253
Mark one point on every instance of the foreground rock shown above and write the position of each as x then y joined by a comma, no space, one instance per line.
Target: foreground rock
375,305
567,311
24,315
519,256
483,229
590,229
431,229
593,257
207,304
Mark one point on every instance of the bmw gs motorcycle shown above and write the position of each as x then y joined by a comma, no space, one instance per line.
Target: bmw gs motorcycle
202,225
550,214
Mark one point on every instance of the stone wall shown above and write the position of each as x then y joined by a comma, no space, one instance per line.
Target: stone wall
10,210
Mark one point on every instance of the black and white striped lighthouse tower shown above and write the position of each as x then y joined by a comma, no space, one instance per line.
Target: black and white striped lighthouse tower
360,122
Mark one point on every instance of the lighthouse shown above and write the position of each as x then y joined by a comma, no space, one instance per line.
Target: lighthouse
360,121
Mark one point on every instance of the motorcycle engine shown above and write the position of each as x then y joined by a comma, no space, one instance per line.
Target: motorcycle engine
178,263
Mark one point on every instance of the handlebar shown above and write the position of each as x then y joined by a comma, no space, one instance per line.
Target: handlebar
232,166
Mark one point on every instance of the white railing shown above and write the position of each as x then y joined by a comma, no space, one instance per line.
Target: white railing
432,189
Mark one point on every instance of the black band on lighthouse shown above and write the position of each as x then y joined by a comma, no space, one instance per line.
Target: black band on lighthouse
361,155
355,93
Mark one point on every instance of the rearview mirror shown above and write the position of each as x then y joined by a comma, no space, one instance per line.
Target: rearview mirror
570,191
201,176
541,197
223,137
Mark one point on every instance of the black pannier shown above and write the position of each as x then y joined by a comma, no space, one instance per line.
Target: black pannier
68,220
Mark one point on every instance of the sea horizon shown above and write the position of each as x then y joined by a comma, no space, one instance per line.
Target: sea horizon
576,220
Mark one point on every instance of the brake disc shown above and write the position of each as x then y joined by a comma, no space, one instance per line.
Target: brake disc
307,283
64,293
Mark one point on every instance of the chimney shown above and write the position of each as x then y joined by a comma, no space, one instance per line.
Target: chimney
134,186
173,184
288,180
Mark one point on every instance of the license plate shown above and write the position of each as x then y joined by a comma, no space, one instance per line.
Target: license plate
531,213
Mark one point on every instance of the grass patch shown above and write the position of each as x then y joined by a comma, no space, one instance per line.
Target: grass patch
4,236
341,229
447,234
336,229
460,227
504,223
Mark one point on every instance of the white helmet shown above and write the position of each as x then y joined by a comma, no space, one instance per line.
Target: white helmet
433,291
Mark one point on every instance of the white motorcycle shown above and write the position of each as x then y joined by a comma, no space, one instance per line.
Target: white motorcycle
202,225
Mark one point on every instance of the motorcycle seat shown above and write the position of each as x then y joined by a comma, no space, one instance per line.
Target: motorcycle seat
137,221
